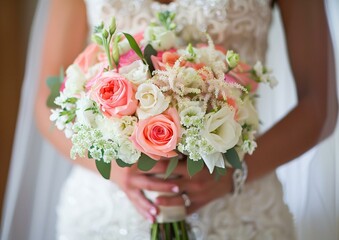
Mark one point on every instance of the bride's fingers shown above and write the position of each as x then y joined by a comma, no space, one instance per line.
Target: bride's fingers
170,201
143,182
143,205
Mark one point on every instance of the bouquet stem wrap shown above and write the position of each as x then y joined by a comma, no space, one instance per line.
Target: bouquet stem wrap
167,213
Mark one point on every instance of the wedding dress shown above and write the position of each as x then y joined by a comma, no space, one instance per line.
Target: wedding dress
93,208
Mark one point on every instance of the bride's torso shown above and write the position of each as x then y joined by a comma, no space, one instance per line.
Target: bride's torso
93,208
240,25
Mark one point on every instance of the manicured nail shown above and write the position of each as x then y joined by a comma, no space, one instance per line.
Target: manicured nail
175,189
153,211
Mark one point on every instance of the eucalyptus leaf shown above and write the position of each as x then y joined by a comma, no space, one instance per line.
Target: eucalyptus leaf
148,52
219,172
103,168
232,158
122,163
193,167
173,162
145,163
54,84
134,45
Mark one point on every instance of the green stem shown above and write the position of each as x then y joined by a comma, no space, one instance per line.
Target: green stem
154,231
107,51
184,230
168,231
176,230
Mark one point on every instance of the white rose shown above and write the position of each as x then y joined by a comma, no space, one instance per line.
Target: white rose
248,114
136,72
160,38
127,152
152,100
75,80
221,130
85,116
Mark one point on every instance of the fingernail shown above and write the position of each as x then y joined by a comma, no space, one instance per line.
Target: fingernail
175,189
153,211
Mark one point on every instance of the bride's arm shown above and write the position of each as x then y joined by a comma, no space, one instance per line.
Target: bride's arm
65,37
312,120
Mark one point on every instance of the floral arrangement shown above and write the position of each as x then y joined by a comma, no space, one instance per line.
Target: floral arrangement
149,97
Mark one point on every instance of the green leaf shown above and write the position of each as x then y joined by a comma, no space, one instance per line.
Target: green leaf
145,163
232,158
219,172
171,166
193,167
122,163
103,168
148,52
54,84
134,45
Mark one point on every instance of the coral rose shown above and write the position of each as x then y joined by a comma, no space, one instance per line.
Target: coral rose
114,94
158,136
88,57
242,75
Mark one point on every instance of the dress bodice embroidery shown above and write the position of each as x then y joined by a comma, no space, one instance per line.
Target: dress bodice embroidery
241,25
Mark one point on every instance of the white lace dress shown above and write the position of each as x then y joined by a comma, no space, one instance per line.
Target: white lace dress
95,209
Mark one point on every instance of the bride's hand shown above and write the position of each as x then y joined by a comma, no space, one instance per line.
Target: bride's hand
132,181
201,189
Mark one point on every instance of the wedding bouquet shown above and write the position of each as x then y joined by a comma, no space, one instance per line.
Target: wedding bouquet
150,97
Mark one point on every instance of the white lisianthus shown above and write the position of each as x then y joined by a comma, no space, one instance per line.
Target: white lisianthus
85,115
127,152
75,81
248,114
160,38
125,125
221,130
136,72
152,100
214,160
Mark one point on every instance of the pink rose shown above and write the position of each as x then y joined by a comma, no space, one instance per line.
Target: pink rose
128,58
88,57
114,94
242,75
158,136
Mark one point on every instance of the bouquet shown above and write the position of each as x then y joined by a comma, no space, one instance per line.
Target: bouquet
150,97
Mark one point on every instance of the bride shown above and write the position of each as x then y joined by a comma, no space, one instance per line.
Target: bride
93,208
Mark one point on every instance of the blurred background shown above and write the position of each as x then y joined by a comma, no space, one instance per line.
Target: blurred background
15,22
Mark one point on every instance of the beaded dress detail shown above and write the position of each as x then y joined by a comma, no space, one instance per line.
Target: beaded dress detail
92,208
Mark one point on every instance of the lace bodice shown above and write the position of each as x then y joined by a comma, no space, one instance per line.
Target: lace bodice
241,25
